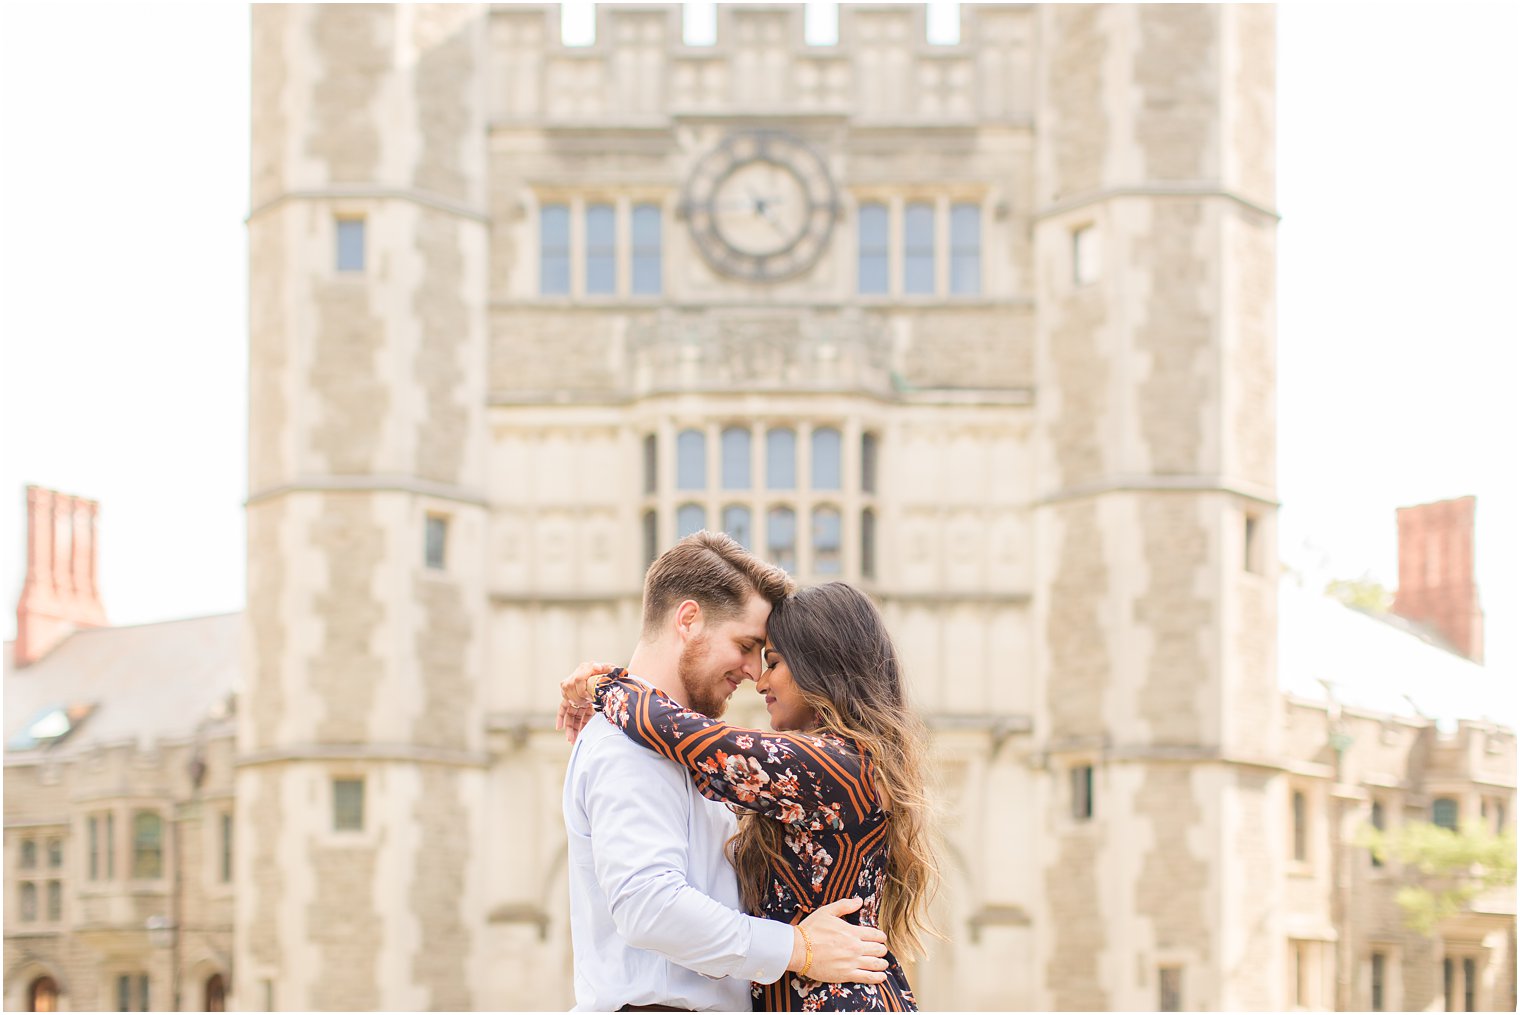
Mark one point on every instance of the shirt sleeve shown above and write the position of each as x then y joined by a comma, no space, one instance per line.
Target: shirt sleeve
813,782
639,845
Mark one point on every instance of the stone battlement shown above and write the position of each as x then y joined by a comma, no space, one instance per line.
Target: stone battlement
639,71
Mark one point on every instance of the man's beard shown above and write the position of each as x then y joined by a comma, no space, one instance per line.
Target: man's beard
705,692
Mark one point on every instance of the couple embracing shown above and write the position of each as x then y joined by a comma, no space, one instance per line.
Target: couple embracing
807,900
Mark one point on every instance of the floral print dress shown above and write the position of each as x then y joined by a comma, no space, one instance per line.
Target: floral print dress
820,787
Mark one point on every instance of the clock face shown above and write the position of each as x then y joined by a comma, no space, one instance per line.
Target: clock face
761,206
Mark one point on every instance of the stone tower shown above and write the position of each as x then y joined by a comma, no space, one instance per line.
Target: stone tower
362,772
995,343
1156,575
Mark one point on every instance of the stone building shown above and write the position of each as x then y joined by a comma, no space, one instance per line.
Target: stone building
986,328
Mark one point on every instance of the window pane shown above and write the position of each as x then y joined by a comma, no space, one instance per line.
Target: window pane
124,993
142,993
94,837
781,537
348,805
781,459
1444,813
436,541
826,468
1300,830
1377,822
1469,984
965,249
651,537
1081,792
868,544
350,244
28,901
55,852
690,518
918,248
826,542
147,845
736,524
873,248
554,249
868,462
601,249
646,249
110,846
226,847
1085,255
651,464
1379,970
1171,989
691,460
735,458
28,853
54,901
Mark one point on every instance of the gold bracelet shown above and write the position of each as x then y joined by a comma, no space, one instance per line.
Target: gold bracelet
807,960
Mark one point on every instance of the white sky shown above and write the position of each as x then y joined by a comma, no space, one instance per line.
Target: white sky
123,186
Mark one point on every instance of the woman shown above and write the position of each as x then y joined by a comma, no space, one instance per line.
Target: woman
833,809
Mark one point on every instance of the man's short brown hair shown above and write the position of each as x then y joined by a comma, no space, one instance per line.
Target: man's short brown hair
715,572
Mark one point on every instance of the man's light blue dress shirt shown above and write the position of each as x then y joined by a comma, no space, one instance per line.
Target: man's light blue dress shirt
654,904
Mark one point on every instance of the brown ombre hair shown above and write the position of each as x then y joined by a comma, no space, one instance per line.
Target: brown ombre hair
844,663
715,572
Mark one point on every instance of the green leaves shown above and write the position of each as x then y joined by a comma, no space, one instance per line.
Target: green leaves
1446,869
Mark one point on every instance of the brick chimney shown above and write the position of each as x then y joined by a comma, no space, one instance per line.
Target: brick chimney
1436,584
59,595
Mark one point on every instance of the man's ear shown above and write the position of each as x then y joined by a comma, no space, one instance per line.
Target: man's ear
688,619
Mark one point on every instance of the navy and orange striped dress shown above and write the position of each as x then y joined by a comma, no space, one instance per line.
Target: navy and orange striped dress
820,787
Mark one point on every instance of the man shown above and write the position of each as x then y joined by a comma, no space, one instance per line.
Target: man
654,903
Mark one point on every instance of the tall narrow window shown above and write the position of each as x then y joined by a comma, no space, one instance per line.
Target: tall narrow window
1171,989
110,845
874,246
124,993
1378,822
54,901
690,518
147,845
965,249
868,453
92,829
826,464
781,537
1469,984
918,248
28,854
651,463
1252,552
1301,974
826,542
646,249
226,847
1300,826
1379,973
436,541
348,805
601,249
1086,258
691,460
1443,812
735,442
28,902
736,524
55,853
143,1001
868,543
1082,792
1449,982
350,244
781,459
554,250
651,537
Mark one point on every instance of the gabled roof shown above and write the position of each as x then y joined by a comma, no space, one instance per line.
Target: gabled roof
1381,664
116,685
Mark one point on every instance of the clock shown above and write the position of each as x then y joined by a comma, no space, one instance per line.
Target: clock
761,206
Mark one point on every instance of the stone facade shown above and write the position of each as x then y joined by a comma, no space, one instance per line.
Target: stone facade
1058,482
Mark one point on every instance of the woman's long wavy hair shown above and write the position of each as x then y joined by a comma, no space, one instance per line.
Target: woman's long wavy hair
843,661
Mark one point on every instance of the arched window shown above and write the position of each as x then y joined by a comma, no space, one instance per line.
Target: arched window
781,537
147,845
690,518
826,467
691,460
826,542
736,524
216,993
42,995
735,458
781,459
